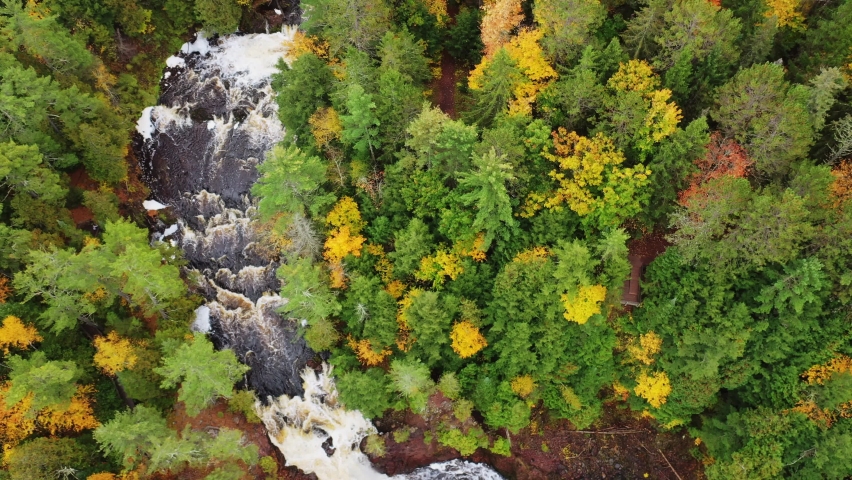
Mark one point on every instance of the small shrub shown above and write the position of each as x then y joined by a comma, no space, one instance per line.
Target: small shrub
449,385
243,402
465,443
375,446
401,435
462,409
269,465
501,446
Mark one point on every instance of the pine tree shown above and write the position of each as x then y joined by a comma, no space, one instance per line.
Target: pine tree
203,373
488,194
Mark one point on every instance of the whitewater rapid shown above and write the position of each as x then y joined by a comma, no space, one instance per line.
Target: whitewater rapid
198,150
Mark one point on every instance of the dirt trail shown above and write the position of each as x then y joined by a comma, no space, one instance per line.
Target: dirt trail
445,90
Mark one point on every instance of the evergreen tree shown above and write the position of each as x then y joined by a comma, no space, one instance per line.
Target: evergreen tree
203,373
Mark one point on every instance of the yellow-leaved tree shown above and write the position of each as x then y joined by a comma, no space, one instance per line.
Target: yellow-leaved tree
78,416
301,44
654,388
325,127
14,333
467,340
590,181
580,306
18,421
538,74
343,239
529,59
438,8
636,78
114,354
523,385
649,345
364,351
786,12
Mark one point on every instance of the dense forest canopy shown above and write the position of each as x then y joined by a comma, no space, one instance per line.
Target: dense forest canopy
455,201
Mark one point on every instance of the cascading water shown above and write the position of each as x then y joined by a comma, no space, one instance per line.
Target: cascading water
199,149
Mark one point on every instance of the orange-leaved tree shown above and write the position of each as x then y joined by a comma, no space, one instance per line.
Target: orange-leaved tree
500,19
725,157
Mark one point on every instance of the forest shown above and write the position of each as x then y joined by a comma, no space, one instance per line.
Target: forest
453,207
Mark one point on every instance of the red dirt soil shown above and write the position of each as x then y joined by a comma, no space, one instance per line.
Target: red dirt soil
622,446
216,417
445,88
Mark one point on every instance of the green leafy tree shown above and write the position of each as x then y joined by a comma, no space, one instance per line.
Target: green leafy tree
402,52
672,166
568,26
827,41
42,37
499,81
411,379
441,143
824,89
465,41
43,458
397,104
218,16
429,317
736,228
203,373
370,312
365,391
359,23
103,203
309,298
410,245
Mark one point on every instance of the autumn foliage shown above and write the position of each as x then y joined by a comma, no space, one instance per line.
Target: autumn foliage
725,157
654,388
302,44
18,421
114,354
14,333
536,73
364,350
590,180
344,238
841,187
649,345
467,340
523,385
586,302
501,18
325,127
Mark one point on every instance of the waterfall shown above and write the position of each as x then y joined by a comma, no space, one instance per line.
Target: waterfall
198,149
